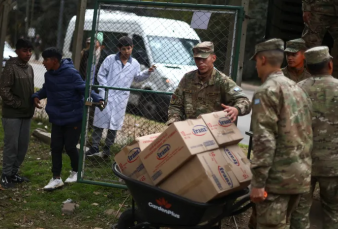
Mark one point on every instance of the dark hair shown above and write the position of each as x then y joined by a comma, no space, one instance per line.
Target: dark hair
22,43
52,52
125,41
317,69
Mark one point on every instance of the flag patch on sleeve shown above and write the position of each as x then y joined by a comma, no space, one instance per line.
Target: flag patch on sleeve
237,89
257,101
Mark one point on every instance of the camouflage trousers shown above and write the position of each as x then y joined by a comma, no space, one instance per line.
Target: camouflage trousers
318,25
328,187
277,211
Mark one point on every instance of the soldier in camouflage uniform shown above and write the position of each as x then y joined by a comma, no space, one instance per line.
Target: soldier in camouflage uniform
322,89
206,90
319,16
282,142
295,58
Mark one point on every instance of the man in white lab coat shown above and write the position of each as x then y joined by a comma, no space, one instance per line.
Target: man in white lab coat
117,70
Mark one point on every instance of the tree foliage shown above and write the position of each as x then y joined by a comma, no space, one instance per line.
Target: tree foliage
43,16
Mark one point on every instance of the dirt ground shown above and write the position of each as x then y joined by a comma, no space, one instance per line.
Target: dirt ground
237,222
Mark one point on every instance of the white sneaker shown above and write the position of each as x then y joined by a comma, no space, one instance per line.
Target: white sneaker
54,184
72,177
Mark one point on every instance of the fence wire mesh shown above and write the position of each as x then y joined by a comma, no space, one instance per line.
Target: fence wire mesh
137,103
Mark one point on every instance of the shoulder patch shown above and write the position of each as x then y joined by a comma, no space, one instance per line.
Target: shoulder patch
257,101
237,89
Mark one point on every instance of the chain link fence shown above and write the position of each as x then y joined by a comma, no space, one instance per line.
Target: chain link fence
163,35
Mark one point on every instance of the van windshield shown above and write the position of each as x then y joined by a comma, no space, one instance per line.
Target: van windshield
171,50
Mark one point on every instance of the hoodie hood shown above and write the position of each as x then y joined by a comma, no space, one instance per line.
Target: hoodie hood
65,64
17,61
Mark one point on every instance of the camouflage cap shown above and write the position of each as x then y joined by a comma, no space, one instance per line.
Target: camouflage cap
317,55
272,44
295,45
203,50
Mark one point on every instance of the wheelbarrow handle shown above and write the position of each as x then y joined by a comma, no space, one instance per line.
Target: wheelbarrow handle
238,207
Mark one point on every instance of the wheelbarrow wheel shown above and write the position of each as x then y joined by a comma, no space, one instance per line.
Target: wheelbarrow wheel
128,220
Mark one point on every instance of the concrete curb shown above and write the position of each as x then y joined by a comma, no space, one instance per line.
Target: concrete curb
42,135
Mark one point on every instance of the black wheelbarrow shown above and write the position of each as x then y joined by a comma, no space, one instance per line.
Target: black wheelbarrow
158,208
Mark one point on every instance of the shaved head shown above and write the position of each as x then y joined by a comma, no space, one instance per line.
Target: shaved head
273,57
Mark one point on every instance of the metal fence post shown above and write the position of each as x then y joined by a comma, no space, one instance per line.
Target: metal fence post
5,6
85,109
59,36
78,33
245,4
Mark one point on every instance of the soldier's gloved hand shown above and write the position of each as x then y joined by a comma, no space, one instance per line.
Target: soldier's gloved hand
257,195
232,112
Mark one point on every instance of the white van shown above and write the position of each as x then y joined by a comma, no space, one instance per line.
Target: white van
165,43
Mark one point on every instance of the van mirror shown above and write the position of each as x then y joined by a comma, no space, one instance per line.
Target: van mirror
142,58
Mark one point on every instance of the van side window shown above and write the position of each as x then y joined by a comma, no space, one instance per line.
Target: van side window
139,51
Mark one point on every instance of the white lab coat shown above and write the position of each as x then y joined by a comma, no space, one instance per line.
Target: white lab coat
112,74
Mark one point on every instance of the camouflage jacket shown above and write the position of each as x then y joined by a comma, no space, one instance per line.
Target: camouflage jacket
327,7
193,97
305,74
282,137
323,92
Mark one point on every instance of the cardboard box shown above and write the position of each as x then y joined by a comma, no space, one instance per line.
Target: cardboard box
178,143
240,165
224,131
144,141
146,179
129,162
128,158
205,177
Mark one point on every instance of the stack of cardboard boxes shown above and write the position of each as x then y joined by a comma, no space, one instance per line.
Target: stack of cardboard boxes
198,158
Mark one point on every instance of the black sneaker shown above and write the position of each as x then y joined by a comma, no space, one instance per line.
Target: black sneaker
19,179
105,156
6,182
106,152
92,152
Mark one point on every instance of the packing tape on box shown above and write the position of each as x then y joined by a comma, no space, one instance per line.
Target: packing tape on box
227,168
246,160
228,131
190,123
191,185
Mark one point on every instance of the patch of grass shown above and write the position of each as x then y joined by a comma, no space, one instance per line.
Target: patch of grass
243,146
29,206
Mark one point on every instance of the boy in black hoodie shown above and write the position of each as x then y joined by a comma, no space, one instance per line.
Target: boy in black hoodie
16,89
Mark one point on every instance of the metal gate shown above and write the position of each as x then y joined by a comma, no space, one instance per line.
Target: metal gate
163,35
